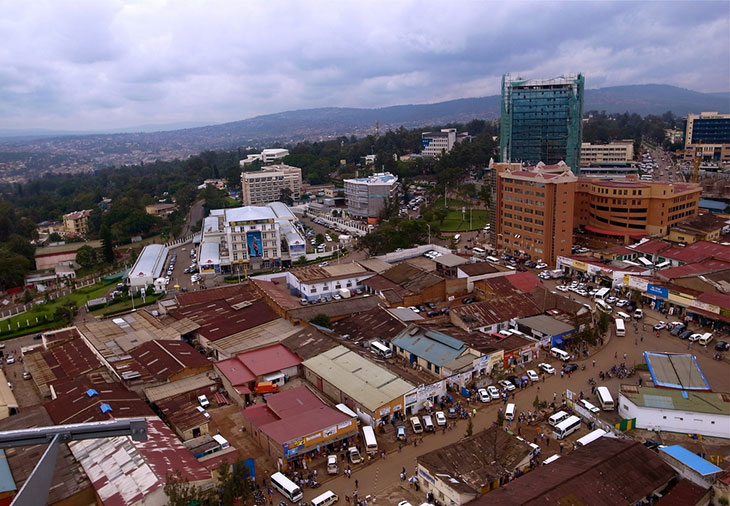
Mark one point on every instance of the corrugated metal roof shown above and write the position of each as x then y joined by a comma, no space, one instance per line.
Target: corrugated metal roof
430,345
676,370
181,386
546,324
681,400
362,380
150,262
691,460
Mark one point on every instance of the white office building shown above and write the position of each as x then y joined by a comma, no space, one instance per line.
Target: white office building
434,143
266,156
366,197
250,238
263,186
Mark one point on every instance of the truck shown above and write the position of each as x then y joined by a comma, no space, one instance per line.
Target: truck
344,293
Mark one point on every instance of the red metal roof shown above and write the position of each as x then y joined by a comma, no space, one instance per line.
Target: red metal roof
231,293
293,413
71,359
651,246
269,359
524,281
235,372
163,358
699,251
718,299
694,269
218,319
75,405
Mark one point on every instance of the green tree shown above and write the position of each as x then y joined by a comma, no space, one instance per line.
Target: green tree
65,313
180,492
27,296
107,249
440,214
319,238
13,269
322,320
86,256
233,483
285,196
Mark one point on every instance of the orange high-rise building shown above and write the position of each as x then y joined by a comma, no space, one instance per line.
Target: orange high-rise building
534,210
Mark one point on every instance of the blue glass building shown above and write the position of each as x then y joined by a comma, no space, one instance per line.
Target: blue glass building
542,120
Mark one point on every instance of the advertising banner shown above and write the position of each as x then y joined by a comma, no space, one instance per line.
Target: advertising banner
254,244
657,290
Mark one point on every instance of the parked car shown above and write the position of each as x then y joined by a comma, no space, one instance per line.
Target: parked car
332,465
431,305
10,359
484,395
203,400
440,418
541,266
659,326
569,368
532,375
678,329
622,303
400,432
494,393
547,368
639,314
722,346
562,288
433,313
451,413
203,411
685,334
694,337
506,385
354,455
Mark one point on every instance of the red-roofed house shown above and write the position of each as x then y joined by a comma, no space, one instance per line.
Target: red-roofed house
295,422
170,360
272,363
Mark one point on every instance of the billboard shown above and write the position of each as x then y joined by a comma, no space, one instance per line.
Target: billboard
254,244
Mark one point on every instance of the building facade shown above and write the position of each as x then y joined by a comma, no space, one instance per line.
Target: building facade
613,153
535,210
435,143
77,222
709,132
265,157
261,187
542,120
633,208
366,197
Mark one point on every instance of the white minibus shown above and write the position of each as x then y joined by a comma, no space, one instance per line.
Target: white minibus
620,328
566,427
325,499
559,354
287,487
348,412
590,437
623,316
590,407
479,251
509,413
706,338
605,399
371,444
558,417
381,349
494,260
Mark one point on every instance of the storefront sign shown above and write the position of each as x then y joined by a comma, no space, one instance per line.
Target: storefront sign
313,436
385,411
658,291
426,475
344,425
710,308
580,266
330,431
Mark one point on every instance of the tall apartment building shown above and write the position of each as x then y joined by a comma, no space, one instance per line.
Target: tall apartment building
77,222
613,153
633,209
535,210
434,143
250,238
542,120
366,197
263,186
711,130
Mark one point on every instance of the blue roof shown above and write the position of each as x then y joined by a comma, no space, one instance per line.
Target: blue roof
712,204
105,408
431,345
676,370
689,459
6,477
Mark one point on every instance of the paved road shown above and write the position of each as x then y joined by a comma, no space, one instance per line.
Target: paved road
194,215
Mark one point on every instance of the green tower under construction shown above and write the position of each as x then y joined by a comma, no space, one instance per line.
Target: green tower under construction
542,120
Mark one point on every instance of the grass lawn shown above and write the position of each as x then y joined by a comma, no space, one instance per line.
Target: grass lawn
45,312
454,222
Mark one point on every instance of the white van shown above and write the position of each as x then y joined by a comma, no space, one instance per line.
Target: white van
480,252
587,405
559,354
325,499
623,315
590,437
494,260
558,417
457,237
380,349
416,425
371,444
705,339
620,327
509,412
286,487
605,399
428,423
566,427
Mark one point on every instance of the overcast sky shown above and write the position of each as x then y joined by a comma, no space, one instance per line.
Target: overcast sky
106,64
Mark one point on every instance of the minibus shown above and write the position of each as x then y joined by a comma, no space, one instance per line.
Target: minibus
494,260
348,412
371,444
705,339
605,399
550,459
623,316
589,438
620,328
509,413
566,427
325,499
587,405
286,487
558,417
479,251
559,354
380,349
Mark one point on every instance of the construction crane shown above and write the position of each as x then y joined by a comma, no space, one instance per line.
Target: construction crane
696,163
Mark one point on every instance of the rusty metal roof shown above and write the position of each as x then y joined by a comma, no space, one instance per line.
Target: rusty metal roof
491,312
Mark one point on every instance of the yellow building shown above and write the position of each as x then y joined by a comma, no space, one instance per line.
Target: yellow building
613,153
703,227
77,222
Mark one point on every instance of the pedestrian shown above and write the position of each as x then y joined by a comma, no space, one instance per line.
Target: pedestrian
555,395
561,448
624,356
562,373
594,363
356,484
615,355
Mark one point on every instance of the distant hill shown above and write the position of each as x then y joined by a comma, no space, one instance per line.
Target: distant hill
20,154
